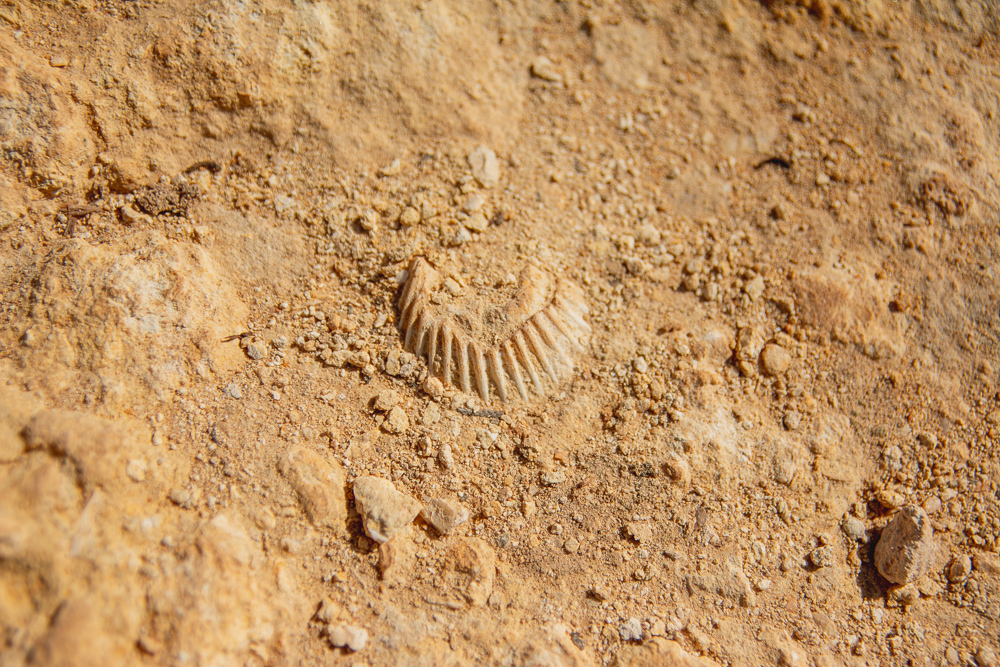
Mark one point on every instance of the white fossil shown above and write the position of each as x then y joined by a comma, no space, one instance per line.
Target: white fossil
481,344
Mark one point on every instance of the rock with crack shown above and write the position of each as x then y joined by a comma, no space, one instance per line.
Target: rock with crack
491,345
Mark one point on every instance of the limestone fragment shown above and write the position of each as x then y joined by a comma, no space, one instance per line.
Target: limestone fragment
319,485
350,636
906,549
396,421
485,167
445,515
384,510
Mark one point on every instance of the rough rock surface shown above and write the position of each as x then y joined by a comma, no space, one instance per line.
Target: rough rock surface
208,213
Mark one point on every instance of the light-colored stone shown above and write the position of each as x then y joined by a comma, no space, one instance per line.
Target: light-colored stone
396,421
543,68
350,636
445,515
906,549
319,485
384,510
485,166
755,288
409,217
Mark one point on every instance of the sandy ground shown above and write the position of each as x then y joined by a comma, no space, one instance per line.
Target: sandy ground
267,268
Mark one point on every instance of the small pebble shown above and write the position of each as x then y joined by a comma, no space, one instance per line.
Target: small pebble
444,515
906,549
821,557
386,400
397,421
434,387
368,219
854,529
543,68
631,630
58,60
409,217
755,288
445,457
960,568
775,360
136,470
932,505
476,222
485,167
648,235
384,510
392,169
553,477
473,203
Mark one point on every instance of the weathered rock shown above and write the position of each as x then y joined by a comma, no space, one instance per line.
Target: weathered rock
906,549
445,515
470,570
319,485
384,510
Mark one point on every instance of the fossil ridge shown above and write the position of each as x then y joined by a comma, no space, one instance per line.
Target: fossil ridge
485,346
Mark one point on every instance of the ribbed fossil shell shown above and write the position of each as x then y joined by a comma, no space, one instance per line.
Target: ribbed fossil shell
482,346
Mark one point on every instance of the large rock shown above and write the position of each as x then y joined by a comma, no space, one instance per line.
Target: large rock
906,550
384,510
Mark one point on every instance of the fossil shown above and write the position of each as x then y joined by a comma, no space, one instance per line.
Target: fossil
485,343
